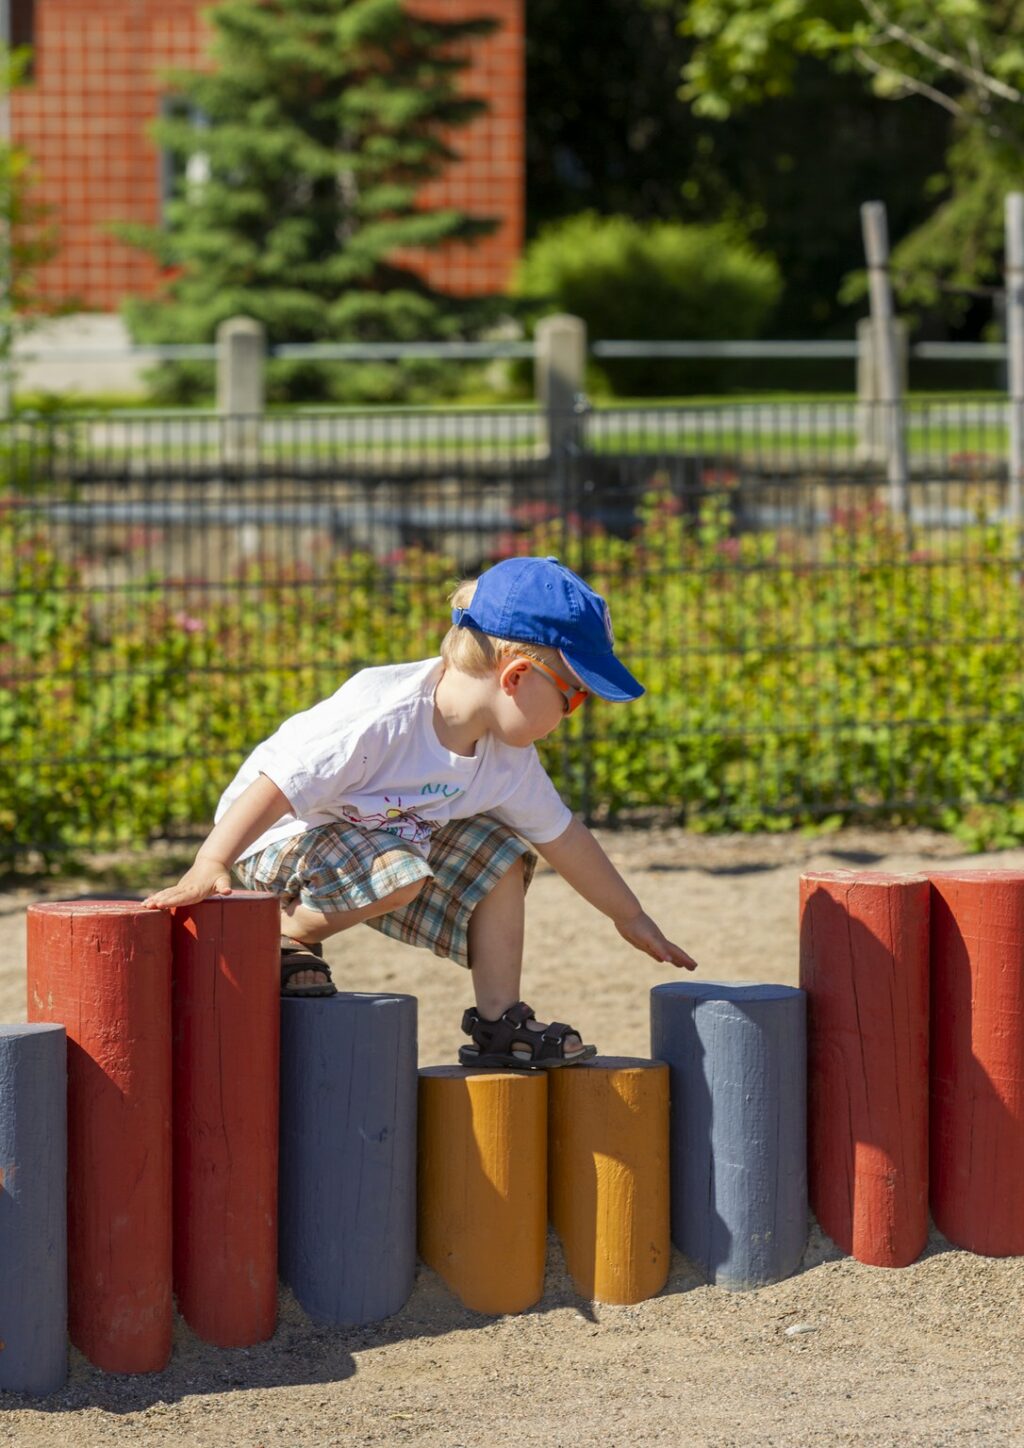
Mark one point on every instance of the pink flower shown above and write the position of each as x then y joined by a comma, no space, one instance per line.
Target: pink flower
188,624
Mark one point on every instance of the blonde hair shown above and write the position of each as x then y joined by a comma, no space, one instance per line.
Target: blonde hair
476,653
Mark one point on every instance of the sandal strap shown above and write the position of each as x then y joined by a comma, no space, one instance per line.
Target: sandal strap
496,1038
296,967
290,947
517,1014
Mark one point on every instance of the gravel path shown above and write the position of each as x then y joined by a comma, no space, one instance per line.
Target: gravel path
932,1354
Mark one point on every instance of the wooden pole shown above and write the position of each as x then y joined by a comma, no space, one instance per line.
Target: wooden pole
348,1154
608,1176
483,1184
977,1070
737,1061
876,249
102,969
864,966
1014,218
33,1209
226,1044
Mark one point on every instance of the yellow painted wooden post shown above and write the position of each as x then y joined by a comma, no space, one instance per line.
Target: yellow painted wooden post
608,1175
482,1184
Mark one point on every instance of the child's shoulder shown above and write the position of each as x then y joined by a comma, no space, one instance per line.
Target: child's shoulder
386,688
405,678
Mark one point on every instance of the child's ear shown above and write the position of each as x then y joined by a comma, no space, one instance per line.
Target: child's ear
511,675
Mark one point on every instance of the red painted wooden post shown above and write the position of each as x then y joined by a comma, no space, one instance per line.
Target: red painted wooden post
102,969
864,966
977,1083
226,1070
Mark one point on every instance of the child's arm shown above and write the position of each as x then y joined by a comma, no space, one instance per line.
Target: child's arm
254,811
578,858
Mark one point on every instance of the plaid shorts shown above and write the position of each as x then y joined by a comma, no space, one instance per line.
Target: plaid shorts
342,867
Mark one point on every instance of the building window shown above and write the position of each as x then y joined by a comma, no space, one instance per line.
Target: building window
180,172
23,22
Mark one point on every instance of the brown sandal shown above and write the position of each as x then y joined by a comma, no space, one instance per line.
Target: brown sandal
295,958
493,1042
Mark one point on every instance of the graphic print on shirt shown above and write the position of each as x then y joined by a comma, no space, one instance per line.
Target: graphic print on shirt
396,819
448,791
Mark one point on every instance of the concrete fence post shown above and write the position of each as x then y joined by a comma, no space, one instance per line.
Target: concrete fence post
241,358
241,365
560,364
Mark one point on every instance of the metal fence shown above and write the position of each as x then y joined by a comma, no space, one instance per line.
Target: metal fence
172,587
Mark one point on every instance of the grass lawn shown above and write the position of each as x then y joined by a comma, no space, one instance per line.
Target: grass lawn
771,428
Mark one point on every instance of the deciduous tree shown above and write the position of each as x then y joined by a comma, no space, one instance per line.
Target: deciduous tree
964,57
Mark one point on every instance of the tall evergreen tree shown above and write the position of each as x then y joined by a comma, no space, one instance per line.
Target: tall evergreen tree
300,157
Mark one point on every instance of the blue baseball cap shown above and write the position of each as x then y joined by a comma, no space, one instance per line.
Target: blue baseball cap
540,601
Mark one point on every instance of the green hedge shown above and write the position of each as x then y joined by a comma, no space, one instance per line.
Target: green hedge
661,281
788,681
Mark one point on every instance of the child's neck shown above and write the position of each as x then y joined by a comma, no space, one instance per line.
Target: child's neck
461,713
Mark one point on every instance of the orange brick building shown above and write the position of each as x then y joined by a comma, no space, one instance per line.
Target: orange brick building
95,89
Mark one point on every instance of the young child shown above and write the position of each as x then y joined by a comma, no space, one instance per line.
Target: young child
410,798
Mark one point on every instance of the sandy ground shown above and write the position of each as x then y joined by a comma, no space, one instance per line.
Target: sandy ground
932,1354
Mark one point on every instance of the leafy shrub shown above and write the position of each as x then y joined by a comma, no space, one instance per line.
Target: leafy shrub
789,679
660,281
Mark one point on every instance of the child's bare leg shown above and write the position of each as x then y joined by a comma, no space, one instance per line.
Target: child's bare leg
496,948
496,944
310,927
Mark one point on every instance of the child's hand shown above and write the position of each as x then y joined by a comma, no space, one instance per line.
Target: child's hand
206,877
642,932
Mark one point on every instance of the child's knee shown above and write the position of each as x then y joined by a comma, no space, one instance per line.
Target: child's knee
404,895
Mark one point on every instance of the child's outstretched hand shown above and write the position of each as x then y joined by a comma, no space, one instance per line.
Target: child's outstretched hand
206,877
642,932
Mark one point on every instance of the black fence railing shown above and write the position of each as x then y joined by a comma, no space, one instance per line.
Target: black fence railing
172,587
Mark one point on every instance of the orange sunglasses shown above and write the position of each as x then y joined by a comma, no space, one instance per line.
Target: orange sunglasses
572,695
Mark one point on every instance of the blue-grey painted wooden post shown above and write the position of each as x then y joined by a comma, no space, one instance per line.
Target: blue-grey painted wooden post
738,1084
347,1194
33,1209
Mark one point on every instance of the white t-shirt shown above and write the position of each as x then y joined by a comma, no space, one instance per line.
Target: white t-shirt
370,755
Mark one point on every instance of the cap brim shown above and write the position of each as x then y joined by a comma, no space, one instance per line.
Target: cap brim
604,676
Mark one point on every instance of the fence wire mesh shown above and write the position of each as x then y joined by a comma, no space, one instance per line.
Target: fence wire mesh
172,587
